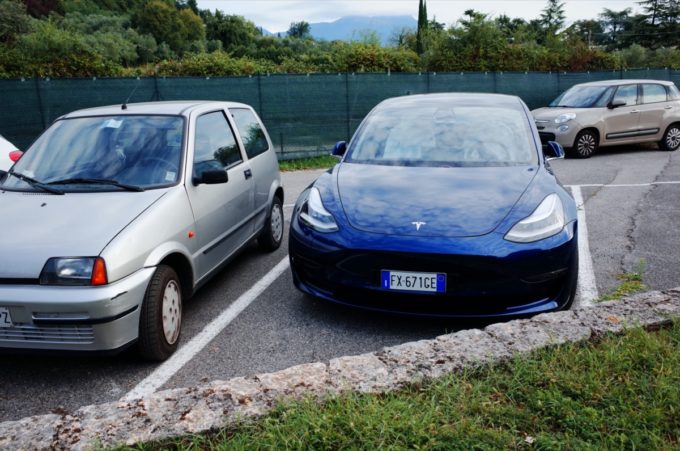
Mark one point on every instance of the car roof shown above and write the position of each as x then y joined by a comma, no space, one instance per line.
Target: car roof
464,98
624,82
175,108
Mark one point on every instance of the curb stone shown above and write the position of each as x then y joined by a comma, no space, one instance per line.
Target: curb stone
179,412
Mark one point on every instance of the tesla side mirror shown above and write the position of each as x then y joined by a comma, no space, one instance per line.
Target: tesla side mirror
616,103
15,155
211,177
339,149
553,151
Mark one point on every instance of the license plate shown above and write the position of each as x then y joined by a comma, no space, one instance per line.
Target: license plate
424,282
5,318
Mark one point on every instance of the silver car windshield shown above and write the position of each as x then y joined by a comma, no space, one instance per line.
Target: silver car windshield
103,153
581,97
445,136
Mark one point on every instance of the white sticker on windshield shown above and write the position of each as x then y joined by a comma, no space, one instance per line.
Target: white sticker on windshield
170,176
112,123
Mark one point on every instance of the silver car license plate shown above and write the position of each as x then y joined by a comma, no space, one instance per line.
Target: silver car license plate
5,317
424,282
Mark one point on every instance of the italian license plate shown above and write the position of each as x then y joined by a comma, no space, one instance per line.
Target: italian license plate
5,318
424,282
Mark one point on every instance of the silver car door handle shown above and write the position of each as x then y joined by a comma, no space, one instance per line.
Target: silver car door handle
635,112
248,173
668,108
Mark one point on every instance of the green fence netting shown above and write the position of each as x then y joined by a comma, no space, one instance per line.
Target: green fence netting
305,114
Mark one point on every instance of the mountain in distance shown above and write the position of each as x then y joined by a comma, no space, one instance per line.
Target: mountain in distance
355,28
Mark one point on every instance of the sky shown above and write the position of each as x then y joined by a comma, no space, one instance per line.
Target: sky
276,15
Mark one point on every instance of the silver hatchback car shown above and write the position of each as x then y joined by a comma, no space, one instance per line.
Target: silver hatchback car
612,112
116,215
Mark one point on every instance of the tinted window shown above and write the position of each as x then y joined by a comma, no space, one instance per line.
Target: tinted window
627,94
215,145
653,93
251,132
580,97
138,150
444,135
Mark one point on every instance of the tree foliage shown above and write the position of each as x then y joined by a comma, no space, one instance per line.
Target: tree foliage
175,37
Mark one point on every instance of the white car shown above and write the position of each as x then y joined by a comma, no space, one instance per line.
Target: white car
5,148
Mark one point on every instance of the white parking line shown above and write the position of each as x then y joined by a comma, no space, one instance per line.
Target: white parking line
624,185
587,287
189,350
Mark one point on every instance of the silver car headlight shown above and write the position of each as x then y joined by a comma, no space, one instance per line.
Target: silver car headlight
547,220
566,117
315,215
74,271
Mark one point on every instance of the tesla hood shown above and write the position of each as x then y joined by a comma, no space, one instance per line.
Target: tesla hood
427,201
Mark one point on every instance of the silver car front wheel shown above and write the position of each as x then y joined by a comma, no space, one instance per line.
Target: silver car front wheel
585,144
160,322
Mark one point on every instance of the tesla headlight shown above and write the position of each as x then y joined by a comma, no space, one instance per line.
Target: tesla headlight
78,271
566,117
315,215
547,220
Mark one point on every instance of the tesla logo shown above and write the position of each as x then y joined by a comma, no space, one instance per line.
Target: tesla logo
418,224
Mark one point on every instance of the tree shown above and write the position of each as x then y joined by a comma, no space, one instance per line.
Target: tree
552,17
299,30
234,32
13,20
613,24
422,27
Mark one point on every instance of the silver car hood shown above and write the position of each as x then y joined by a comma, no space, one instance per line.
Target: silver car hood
37,226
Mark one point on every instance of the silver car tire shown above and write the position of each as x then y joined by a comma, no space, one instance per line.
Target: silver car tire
160,322
272,234
671,139
585,144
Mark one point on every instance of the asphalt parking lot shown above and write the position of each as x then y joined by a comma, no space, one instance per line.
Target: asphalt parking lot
260,323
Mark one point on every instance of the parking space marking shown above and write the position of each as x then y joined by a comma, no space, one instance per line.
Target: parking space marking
184,354
624,185
587,287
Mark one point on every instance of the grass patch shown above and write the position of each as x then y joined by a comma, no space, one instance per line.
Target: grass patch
631,283
621,393
320,162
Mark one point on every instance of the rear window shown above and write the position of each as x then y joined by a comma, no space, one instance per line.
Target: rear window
250,130
652,93
444,135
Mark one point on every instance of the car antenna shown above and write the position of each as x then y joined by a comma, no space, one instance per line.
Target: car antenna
124,105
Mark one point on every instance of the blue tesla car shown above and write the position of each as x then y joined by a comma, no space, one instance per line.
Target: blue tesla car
442,205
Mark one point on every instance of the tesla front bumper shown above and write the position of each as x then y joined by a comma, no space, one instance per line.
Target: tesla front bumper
485,276
73,318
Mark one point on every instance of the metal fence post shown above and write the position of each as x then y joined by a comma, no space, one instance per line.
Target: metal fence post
40,103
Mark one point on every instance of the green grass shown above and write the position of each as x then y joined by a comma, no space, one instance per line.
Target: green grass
631,283
321,162
621,393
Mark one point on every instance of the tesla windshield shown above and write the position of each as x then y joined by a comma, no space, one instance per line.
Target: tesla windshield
444,136
102,153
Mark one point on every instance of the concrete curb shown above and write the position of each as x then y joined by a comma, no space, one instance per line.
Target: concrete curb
178,412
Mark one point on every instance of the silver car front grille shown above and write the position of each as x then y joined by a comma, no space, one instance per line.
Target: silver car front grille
52,334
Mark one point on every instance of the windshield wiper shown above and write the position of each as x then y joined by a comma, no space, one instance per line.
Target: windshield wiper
115,183
33,182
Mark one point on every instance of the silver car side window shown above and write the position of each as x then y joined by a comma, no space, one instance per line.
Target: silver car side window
627,93
653,93
215,145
